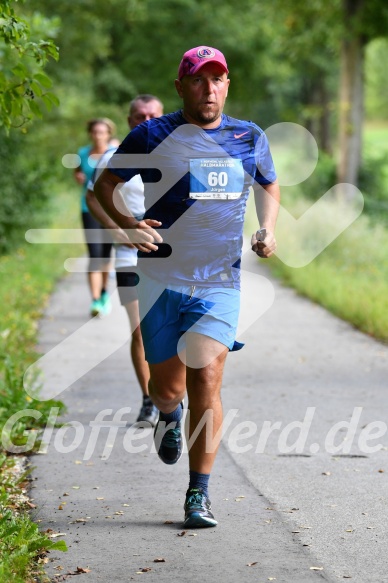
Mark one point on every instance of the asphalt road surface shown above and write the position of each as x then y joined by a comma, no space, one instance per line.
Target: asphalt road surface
300,482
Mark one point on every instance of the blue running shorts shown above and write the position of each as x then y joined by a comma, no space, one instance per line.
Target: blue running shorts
166,314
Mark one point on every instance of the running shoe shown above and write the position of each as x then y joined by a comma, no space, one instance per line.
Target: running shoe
95,308
198,512
105,303
148,412
169,444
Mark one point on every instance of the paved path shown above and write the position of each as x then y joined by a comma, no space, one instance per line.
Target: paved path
284,510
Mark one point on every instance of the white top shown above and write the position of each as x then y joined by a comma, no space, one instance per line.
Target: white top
132,193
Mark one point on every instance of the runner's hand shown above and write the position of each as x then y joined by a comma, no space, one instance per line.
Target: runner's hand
266,248
143,235
120,236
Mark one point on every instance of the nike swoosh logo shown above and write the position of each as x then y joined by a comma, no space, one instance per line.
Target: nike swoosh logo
237,136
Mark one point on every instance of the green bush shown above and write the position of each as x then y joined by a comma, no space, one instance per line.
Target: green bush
25,188
321,180
373,184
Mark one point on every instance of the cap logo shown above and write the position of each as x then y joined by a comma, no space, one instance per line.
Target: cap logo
206,53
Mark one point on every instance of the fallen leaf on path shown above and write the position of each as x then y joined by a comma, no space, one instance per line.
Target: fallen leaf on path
182,533
251,564
168,522
126,505
349,530
55,534
381,471
159,560
316,568
78,462
76,487
192,534
295,531
326,473
100,498
145,570
66,494
82,570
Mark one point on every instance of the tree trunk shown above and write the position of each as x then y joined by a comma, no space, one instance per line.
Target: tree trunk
351,96
315,101
324,119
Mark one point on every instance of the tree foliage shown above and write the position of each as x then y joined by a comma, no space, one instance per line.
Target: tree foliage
376,79
24,87
284,60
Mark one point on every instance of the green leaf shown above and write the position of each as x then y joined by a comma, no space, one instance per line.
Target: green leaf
53,51
53,98
43,80
60,545
36,88
16,106
20,71
7,102
47,101
34,107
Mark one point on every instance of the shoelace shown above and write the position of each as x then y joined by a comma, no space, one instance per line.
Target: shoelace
195,499
172,437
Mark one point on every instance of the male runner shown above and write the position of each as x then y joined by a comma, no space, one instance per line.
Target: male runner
197,165
142,108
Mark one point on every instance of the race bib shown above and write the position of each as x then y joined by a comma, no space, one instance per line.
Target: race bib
216,178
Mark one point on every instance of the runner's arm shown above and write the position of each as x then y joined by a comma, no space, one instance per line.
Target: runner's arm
143,235
118,234
267,200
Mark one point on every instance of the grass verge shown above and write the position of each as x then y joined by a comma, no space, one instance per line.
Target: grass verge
349,277
28,276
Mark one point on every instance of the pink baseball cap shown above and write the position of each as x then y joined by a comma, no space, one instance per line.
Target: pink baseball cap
196,58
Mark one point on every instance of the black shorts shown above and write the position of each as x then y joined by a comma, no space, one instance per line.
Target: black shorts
100,249
127,279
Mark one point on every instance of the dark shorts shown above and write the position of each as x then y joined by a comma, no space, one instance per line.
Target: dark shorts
127,280
100,249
